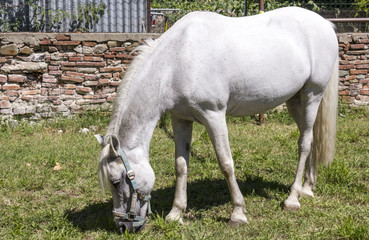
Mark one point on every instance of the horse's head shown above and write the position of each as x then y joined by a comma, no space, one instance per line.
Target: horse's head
130,179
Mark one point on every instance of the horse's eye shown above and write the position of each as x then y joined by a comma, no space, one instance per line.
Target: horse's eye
115,182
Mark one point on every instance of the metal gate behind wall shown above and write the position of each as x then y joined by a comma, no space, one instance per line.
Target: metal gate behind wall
73,15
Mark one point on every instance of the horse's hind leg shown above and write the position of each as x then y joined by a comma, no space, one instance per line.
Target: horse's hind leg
304,110
182,130
294,108
216,126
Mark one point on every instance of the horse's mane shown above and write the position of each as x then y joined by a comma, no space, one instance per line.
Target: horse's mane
126,83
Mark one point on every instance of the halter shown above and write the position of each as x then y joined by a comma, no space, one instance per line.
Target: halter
131,216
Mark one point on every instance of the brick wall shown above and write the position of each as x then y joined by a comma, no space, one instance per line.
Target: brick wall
49,74
354,67
45,75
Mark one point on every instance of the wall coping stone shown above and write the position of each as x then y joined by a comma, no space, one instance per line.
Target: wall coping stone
35,37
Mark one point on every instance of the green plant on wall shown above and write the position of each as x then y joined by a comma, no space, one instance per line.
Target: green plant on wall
233,8
14,19
87,15
362,6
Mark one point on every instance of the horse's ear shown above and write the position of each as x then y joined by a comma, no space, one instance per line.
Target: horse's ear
100,139
114,145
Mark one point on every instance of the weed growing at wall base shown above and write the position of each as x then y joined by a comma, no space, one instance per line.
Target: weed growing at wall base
38,202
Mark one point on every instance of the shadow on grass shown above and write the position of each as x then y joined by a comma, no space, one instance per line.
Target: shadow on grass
202,194
92,217
207,193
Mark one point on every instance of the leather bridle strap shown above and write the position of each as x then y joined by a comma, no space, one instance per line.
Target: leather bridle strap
131,215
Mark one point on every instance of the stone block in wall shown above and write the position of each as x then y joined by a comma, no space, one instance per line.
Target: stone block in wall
3,78
5,104
24,67
9,50
16,78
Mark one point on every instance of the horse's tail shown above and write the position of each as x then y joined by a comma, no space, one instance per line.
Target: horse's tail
326,120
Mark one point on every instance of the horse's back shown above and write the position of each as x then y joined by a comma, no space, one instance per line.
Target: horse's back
250,64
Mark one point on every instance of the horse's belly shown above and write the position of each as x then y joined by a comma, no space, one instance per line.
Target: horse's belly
260,98
247,108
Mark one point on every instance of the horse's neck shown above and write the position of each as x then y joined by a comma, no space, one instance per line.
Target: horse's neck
136,114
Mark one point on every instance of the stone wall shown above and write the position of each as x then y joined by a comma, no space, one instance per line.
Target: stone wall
49,74
354,67
45,75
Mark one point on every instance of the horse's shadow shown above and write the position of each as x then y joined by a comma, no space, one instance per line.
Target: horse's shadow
202,194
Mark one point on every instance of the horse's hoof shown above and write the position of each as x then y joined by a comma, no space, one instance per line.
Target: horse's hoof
291,206
236,222
307,192
169,218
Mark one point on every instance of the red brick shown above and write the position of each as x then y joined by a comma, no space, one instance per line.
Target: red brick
363,66
117,49
11,93
363,41
31,92
103,81
93,59
62,37
114,83
17,78
54,68
70,86
66,43
11,87
90,44
91,64
45,41
75,59
68,92
357,46
71,69
109,56
90,83
3,97
98,101
72,79
111,69
356,72
55,72
3,78
49,79
346,66
357,62
110,99
74,74
83,90
88,97
5,104
344,93
364,91
105,75
127,56
68,64
90,77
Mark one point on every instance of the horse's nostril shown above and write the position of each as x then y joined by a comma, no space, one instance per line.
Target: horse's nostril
123,226
128,226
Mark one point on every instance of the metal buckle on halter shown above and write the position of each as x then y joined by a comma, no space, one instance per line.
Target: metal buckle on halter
131,174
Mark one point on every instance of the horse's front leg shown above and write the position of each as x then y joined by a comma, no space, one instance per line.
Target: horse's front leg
216,126
182,130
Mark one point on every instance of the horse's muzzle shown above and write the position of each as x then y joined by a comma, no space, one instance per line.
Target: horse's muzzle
124,225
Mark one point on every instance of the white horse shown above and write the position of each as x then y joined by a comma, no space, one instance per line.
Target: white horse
208,66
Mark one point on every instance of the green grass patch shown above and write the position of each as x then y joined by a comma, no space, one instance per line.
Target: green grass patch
37,202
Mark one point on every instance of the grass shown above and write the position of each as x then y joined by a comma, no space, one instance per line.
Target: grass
37,202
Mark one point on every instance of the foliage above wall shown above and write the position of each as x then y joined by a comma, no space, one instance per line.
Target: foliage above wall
32,16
